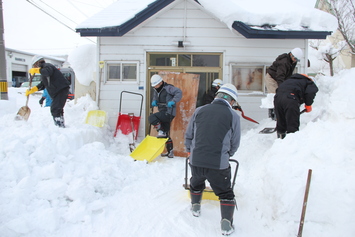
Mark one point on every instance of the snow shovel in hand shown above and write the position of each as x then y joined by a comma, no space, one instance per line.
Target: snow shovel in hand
272,130
24,112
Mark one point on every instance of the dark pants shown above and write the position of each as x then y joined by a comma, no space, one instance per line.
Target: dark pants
163,118
287,111
58,103
220,181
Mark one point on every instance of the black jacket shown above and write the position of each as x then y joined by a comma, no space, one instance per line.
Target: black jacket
209,96
282,68
302,87
52,79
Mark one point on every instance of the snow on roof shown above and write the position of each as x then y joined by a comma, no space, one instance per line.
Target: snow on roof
282,14
116,14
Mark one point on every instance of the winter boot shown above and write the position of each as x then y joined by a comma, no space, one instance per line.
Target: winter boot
161,134
59,121
272,114
169,147
169,154
196,197
281,135
227,211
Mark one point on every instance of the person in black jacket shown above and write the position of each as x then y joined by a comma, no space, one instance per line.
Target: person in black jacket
281,68
55,83
293,92
211,94
211,138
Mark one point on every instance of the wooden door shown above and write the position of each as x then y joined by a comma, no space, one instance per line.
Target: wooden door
188,83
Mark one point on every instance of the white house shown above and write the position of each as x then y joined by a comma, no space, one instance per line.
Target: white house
137,39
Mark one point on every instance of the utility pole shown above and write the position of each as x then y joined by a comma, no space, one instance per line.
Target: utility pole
3,79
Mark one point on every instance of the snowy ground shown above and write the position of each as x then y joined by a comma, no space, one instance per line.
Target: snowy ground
80,181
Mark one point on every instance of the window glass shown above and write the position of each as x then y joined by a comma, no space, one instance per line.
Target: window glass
114,72
185,60
205,61
247,78
163,60
129,72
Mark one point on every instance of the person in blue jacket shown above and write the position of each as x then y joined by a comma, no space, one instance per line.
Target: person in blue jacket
45,97
212,137
165,98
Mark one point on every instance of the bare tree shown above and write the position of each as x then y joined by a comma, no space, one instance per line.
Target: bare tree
344,11
328,51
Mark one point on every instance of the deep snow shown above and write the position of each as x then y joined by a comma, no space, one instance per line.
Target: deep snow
80,181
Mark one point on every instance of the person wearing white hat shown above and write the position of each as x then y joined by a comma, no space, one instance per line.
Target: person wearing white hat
210,94
165,98
55,83
281,68
211,138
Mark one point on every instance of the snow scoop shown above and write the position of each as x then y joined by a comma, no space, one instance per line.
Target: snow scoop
25,111
208,193
239,108
271,130
305,201
149,149
96,118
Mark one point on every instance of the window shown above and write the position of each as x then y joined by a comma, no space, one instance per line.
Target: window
185,59
248,77
122,71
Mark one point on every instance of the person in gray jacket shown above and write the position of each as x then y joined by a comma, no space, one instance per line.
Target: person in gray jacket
165,98
211,138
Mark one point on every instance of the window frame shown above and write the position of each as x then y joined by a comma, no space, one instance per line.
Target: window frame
250,65
121,79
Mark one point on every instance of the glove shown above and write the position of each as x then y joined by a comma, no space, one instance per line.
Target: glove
34,71
154,103
32,90
41,101
308,108
170,104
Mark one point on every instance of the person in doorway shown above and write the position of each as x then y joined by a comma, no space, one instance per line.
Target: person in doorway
281,69
211,94
211,138
165,98
45,97
293,92
55,83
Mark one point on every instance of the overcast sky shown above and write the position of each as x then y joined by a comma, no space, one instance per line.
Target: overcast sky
27,28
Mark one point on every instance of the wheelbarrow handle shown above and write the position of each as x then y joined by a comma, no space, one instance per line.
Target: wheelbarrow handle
186,185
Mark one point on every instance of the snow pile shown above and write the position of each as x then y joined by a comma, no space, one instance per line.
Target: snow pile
80,181
83,62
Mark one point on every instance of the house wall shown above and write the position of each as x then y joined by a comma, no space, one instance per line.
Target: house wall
186,21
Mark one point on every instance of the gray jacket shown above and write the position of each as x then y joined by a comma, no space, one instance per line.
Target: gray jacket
167,93
213,135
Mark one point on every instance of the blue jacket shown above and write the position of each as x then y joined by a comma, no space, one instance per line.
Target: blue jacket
213,135
47,98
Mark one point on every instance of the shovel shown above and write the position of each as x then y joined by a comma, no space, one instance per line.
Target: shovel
25,111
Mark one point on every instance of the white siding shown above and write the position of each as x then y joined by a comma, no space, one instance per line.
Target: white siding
204,33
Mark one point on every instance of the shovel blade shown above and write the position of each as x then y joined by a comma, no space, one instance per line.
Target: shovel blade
23,113
268,130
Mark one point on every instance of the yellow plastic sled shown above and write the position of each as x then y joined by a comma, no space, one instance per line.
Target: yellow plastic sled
96,118
149,149
208,193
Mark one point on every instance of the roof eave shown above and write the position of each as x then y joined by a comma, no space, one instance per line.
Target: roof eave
121,30
251,33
